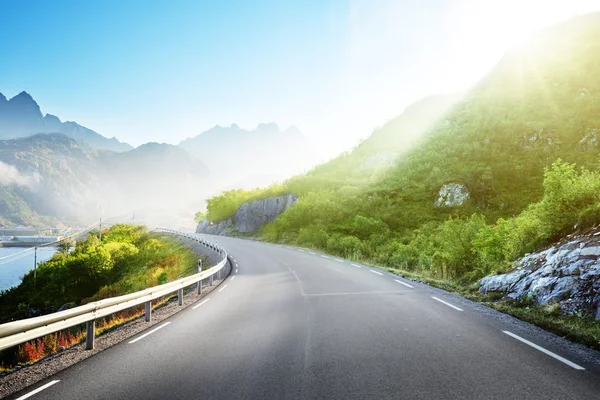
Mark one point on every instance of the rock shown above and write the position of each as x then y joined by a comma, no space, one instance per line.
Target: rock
452,195
501,283
249,217
567,274
591,139
591,251
210,228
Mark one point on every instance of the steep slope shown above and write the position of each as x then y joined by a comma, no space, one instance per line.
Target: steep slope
252,158
21,116
483,159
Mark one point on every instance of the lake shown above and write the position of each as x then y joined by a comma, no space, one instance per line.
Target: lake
12,272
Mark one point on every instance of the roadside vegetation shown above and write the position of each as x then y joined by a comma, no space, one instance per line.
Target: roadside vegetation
524,142
121,260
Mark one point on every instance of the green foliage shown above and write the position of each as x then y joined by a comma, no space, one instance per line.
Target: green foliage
200,216
128,259
512,141
225,205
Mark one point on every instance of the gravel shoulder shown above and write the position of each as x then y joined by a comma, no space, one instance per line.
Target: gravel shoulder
55,363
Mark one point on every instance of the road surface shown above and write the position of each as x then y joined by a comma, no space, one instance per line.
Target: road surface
295,324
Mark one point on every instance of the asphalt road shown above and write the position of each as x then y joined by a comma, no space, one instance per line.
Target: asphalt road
292,324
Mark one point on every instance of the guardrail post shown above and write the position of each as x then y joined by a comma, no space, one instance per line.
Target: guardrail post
148,307
211,280
90,331
200,286
180,297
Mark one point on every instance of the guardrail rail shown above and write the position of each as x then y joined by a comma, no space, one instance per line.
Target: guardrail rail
17,332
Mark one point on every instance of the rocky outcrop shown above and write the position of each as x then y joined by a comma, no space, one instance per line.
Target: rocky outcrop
250,217
567,274
452,195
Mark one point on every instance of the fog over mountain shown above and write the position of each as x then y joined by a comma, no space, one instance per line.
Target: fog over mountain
55,179
53,171
21,117
240,158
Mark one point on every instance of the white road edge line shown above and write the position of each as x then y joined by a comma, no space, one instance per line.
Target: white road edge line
402,283
236,270
338,260
543,350
202,302
375,272
356,265
314,254
446,303
223,288
46,386
300,250
233,277
149,333
324,256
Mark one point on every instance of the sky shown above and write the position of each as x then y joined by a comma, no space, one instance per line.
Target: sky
166,70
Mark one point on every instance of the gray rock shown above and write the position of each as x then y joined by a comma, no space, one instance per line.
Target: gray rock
567,274
250,217
452,195
591,251
501,283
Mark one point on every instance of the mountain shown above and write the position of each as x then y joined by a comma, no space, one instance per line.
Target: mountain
254,158
50,177
21,116
477,185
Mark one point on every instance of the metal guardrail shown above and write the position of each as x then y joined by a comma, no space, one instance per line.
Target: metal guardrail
17,332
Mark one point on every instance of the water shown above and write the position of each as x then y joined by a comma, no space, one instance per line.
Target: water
12,272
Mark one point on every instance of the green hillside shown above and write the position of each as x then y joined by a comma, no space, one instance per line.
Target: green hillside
379,203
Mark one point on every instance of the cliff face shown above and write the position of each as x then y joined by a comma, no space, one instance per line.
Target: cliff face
250,217
566,274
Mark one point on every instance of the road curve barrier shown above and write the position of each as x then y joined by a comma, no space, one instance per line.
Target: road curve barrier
21,331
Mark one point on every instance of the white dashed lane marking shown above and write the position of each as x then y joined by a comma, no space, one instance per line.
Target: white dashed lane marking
446,303
375,272
202,302
36,391
149,333
402,283
543,350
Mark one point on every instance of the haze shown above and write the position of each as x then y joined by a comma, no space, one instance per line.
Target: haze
145,71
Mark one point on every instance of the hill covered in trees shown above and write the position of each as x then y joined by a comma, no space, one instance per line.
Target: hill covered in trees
506,149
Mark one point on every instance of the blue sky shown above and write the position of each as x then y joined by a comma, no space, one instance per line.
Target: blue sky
166,70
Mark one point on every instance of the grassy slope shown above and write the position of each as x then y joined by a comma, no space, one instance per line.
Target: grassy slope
539,104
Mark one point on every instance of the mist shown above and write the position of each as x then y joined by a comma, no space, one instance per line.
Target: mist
9,175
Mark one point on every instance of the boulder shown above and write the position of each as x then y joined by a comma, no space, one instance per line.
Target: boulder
249,217
566,274
452,195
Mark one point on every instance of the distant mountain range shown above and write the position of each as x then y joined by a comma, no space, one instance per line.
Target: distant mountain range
248,159
51,177
61,171
21,117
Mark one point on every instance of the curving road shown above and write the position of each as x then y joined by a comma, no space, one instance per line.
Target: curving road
294,324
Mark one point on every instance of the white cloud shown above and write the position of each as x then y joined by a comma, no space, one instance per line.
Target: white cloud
9,175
